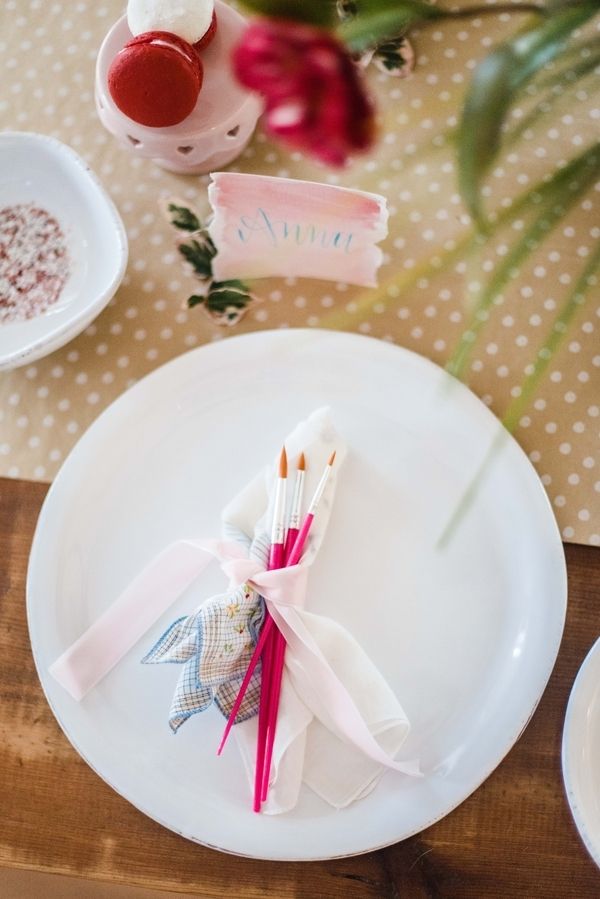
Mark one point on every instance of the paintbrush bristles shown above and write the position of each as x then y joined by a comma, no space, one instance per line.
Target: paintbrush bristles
301,462
331,458
283,464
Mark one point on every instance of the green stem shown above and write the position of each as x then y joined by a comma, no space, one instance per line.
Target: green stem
516,408
570,77
464,247
498,9
552,342
567,57
470,493
562,191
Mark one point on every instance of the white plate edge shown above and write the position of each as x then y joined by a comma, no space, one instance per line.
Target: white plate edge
486,413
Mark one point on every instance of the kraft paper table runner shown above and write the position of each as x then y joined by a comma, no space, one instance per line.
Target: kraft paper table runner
47,56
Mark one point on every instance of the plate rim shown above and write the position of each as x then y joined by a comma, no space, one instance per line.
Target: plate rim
561,590
567,750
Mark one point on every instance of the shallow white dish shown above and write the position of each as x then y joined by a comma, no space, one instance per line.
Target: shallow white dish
35,168
466,637
581,752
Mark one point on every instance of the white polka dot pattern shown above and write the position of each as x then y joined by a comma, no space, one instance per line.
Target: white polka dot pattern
47,55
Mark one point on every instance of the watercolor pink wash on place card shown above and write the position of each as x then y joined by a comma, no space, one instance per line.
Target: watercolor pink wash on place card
267,227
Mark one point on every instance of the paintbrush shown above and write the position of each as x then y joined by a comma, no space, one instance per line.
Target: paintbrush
276,560
277,660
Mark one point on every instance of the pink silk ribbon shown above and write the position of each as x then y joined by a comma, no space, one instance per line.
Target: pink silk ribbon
157,587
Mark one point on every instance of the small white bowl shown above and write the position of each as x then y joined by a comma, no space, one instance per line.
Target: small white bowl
38,169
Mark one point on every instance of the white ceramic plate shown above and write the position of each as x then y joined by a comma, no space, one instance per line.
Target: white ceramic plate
467,637
581,752
38,169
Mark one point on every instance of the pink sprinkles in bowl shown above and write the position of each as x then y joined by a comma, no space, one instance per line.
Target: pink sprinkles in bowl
34,262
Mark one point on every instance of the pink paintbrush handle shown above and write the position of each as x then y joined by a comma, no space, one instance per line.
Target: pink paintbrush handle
292,559
276,556
290,539
298,547
278,662
265,631
276,560
263,714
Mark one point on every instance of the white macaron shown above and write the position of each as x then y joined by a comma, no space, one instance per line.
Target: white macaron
189,19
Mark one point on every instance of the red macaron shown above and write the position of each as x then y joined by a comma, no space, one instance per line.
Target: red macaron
156,79
208,35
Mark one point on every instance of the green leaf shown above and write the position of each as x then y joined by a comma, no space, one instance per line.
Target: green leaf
558,93
559,194
199,255
312,12
440,260
225,294
195,300
494,86
378,21
232,284
512,417
227,301
183,218
576,59
346,9
560,327
390,54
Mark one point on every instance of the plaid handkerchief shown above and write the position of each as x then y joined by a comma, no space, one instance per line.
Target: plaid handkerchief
215,644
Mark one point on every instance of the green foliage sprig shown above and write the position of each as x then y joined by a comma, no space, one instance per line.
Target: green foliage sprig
550,35
496,83
481,136
224,301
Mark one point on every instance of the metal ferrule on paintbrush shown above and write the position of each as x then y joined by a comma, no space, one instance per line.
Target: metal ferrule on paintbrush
296,509
278,659
278,524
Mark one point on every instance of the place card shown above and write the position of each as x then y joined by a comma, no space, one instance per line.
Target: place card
267,227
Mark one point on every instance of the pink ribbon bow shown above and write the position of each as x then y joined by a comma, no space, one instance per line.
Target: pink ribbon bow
157,587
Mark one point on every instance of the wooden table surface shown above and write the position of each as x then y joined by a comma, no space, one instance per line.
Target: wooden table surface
513,837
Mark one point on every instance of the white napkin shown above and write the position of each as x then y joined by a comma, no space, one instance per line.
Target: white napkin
307,747
214,644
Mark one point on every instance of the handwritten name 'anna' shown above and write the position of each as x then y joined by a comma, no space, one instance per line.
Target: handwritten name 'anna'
279,232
